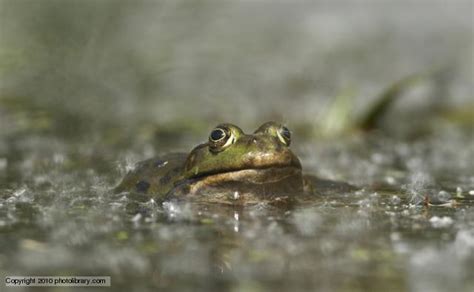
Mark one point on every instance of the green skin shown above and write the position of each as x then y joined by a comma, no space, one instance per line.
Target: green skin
238,169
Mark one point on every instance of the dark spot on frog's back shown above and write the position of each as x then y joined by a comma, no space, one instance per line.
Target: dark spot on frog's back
167,177
142,186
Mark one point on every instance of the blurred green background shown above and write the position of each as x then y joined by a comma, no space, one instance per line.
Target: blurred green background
76,66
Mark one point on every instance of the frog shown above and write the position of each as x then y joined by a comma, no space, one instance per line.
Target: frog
231,167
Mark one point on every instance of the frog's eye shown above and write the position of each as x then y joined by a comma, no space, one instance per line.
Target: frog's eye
217,135
284,135
220,138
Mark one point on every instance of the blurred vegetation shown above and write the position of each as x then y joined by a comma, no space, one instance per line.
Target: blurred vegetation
163,68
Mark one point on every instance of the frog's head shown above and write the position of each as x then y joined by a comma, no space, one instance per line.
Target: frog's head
230,154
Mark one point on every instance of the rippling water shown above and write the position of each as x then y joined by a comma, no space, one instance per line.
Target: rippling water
88,89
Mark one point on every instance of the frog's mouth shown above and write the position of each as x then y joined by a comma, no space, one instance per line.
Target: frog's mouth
264,175
246,185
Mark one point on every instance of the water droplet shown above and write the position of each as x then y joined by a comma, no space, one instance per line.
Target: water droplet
137,217
442,222
395,200
443,196
236,222
390,180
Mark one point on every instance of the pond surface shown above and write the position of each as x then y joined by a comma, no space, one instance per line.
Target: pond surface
89,88
59,217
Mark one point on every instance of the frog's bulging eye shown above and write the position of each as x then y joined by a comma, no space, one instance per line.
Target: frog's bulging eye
284,135
217,135
220,138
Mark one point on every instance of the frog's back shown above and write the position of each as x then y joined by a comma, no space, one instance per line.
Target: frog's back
154,176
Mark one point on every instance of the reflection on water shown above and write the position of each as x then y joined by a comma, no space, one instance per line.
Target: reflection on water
87,89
